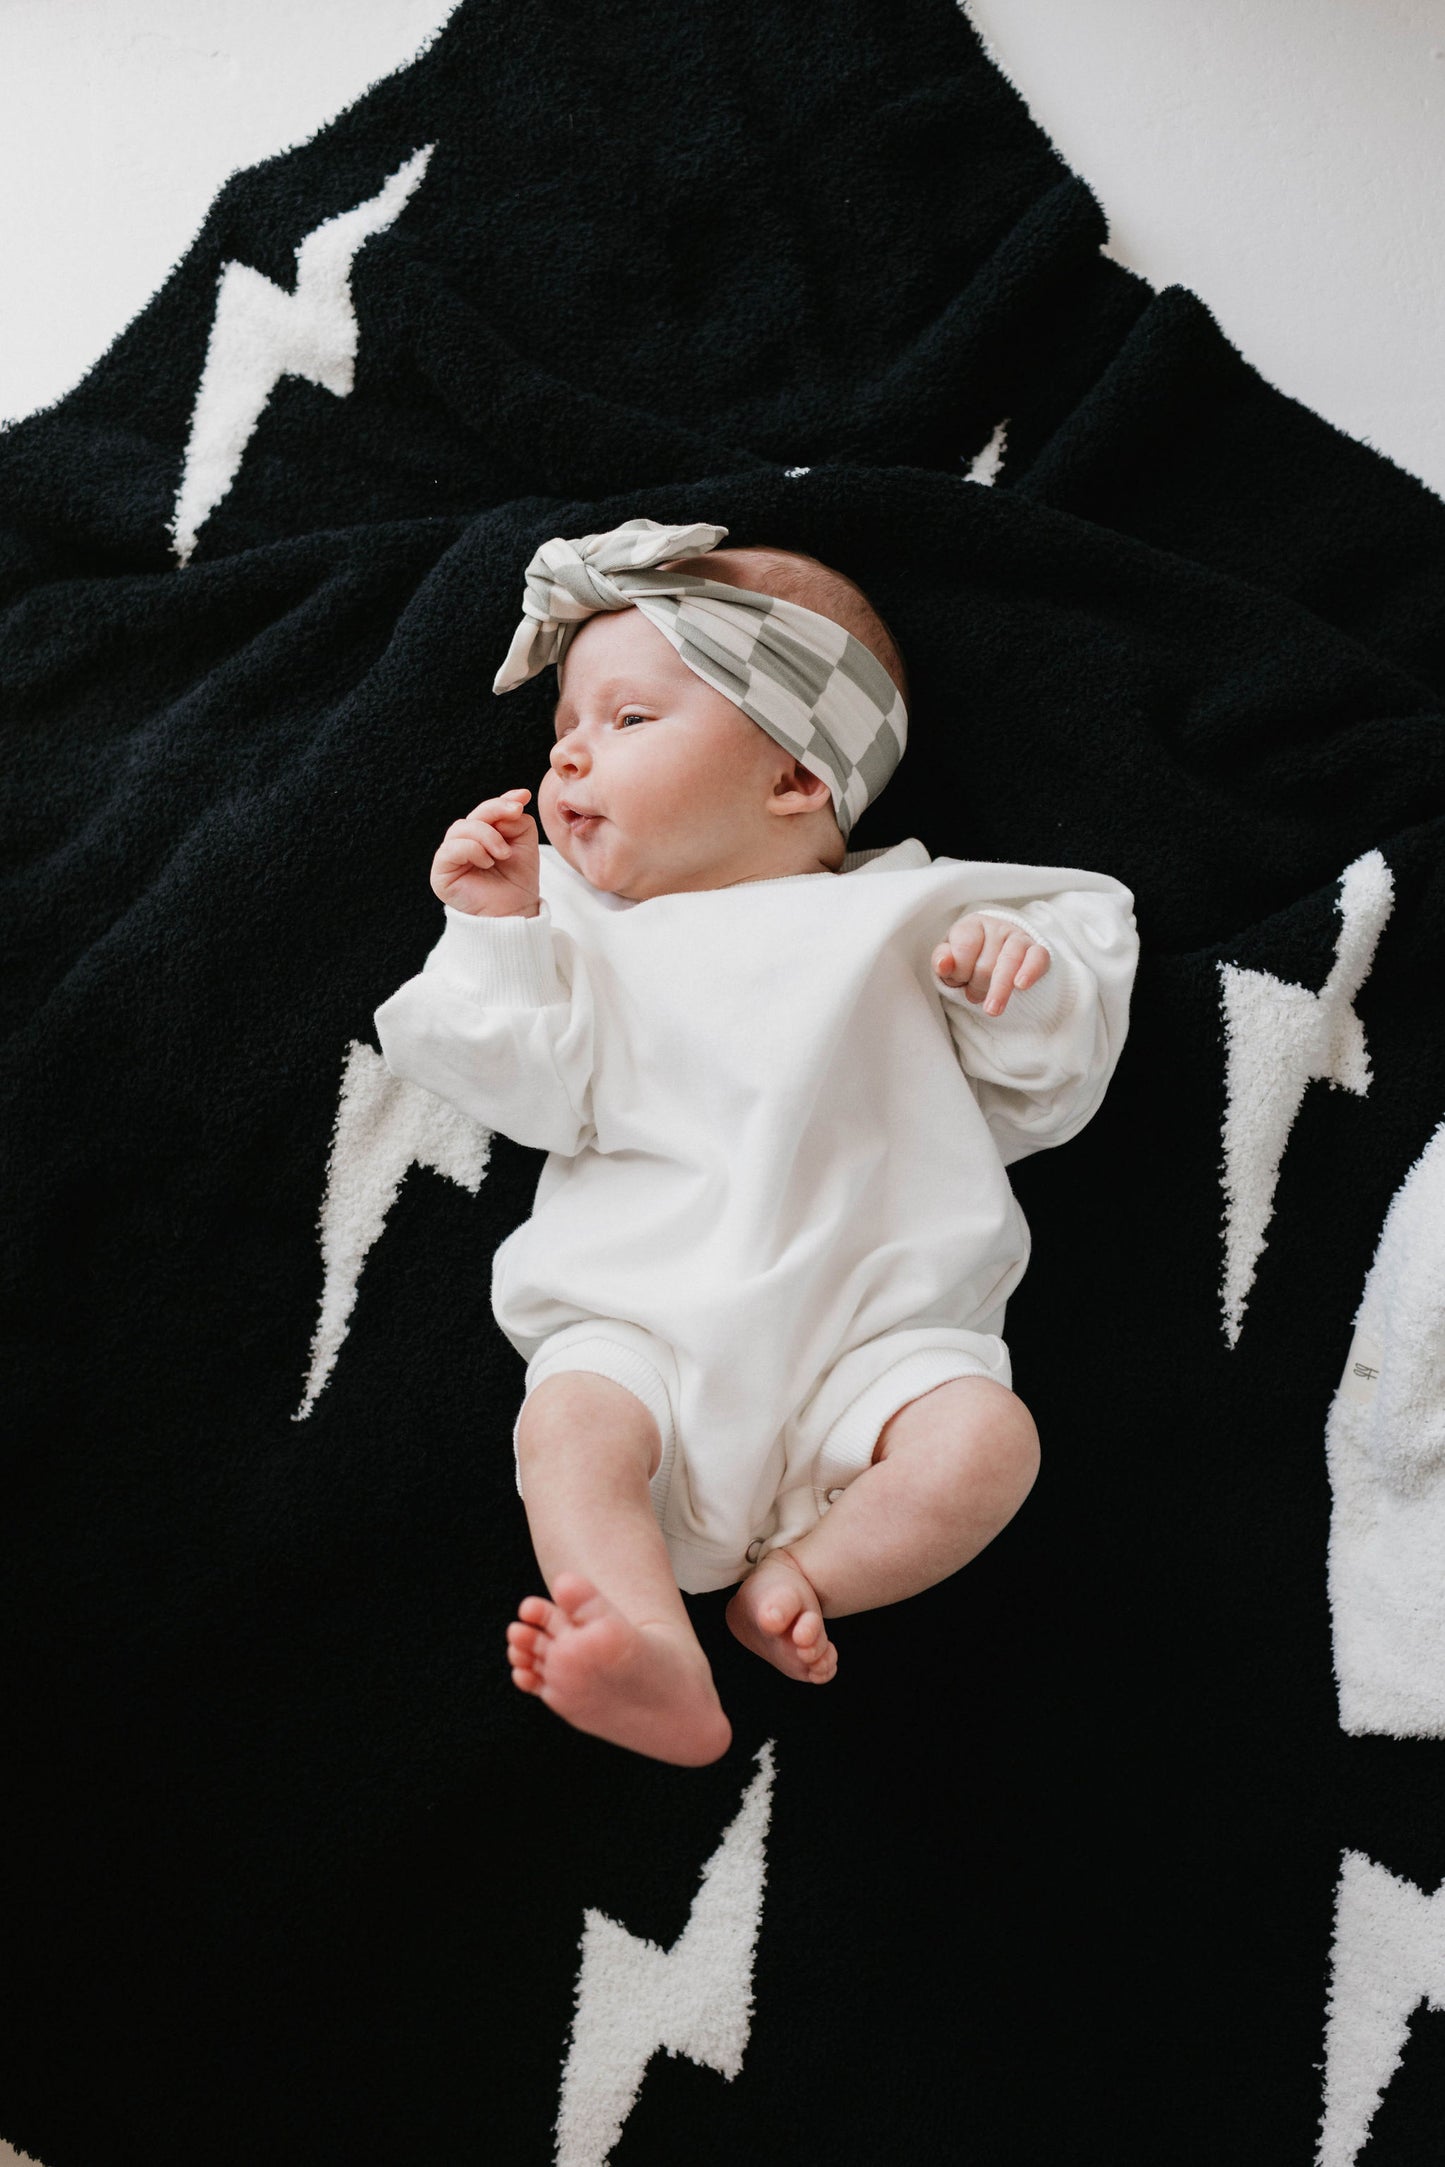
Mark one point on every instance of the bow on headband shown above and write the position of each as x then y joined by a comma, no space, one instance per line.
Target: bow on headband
814,688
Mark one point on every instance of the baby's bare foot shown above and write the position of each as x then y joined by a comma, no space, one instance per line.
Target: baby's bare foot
776,1613
637,1685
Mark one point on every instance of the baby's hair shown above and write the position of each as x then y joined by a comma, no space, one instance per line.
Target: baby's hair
794,576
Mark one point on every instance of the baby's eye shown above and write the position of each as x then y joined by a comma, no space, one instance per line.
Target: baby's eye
632,718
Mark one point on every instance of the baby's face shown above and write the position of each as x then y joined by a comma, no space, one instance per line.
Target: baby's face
656,782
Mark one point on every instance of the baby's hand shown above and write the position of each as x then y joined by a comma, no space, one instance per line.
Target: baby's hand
990,959
487,864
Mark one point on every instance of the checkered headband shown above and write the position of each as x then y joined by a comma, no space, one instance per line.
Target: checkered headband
796,674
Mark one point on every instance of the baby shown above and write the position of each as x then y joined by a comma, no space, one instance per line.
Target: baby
761,1290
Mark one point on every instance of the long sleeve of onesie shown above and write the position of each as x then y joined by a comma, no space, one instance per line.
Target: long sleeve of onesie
1040,1069
491,1024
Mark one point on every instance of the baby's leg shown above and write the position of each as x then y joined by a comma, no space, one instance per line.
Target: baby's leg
613,1652
949,1470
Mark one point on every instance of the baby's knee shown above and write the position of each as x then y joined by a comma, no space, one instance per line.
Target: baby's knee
1006,1438
1018,1432
979,1439
582,1411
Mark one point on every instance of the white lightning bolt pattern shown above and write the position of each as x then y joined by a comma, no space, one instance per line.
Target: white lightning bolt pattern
695,1998
261,333
986,464
1388,1957
384,1125
1385,1446
1279,1039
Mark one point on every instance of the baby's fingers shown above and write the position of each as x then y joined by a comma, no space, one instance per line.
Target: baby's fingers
1015,969
477,841
508,809
955,959
1032,969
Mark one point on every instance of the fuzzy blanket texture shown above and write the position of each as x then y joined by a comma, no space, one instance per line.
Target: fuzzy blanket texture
1126,1841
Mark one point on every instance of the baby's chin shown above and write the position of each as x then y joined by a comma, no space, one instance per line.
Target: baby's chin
616,866
601,858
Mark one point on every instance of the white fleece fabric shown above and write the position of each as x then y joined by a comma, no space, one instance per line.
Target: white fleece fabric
776,1143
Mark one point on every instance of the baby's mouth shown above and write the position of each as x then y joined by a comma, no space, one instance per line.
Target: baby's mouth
578,821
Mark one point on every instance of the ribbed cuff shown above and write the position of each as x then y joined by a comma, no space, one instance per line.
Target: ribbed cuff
501,962
1043,1004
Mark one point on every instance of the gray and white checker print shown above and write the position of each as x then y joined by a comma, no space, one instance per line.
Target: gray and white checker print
796,674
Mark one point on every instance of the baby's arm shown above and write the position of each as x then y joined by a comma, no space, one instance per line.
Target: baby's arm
489,1023
1042,1012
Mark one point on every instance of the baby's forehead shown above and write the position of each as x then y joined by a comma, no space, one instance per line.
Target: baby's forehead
618,642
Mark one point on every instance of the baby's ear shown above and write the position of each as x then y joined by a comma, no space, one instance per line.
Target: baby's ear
807,784
786,782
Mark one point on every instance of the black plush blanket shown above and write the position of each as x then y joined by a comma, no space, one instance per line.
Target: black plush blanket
1081,1854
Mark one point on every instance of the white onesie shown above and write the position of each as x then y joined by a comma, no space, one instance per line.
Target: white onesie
774,1204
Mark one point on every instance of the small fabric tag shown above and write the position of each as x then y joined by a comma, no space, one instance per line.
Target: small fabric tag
1362,1367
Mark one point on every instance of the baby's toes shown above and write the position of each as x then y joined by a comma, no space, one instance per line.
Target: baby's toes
536,1610
525,1652
822,1670
815,1651
578,1600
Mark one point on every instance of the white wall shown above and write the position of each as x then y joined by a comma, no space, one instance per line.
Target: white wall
1284,158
